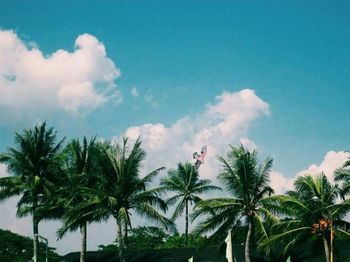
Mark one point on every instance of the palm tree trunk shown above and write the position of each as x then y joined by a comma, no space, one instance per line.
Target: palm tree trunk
126,234
120,242
83,242
35,241
247,242
326,248
35,232
331,243
186,232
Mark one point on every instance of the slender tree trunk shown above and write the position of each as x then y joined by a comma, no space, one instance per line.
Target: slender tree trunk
186,232
126,234
326,248
83,242
247,242
331,243
35,232
120,242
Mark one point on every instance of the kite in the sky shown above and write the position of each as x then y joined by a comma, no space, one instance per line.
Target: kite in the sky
200,157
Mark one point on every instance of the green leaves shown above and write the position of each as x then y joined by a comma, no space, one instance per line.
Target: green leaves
35,163
185,183
311,211
247,181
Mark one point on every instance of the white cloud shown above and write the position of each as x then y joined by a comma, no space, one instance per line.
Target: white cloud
223,122
134,92
280,183
249,144
74,82
330,163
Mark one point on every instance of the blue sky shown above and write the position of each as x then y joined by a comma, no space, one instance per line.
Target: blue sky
180,55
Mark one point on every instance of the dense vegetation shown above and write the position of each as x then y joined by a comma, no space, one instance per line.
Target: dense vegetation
82,182
16,248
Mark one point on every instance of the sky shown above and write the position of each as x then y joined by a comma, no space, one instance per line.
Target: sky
271,75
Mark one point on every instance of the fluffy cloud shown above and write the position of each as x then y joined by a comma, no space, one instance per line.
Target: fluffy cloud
280,183
74,82
330,163
223,122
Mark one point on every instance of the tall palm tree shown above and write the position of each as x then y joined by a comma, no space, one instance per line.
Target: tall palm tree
80,166
122,190
311,211
185,182
35,164
247,181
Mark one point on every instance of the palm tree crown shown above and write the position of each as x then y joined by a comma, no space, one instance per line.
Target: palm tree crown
36,166
311,212
343,174
121,190
185,183
79,188
247,182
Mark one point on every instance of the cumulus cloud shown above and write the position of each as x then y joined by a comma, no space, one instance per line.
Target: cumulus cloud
74,82
331,161
280,183
223,122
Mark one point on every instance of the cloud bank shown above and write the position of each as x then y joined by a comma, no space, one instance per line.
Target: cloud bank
331,161
223,122
73,82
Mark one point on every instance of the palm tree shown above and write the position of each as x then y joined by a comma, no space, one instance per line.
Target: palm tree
79,188
311,211
35,164
185,182
246,180
122,190
343,174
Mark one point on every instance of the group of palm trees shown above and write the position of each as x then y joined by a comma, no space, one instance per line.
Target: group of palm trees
82,182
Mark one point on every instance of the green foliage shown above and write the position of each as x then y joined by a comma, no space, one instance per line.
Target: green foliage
81,172
108,248
187,186
151,237
343,174
14,247
179,241
247,181
36,165
146,237
311,211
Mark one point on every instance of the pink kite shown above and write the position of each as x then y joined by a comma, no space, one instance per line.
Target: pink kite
200,158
